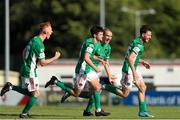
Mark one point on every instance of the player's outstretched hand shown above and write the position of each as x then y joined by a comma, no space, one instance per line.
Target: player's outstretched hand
57,54
146,64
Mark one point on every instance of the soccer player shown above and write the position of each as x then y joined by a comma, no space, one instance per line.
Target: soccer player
33,54
130,73
86,71
103,57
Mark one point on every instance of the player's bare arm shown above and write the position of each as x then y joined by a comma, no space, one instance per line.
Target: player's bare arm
99,59
131,60
44,62
89,62
109,73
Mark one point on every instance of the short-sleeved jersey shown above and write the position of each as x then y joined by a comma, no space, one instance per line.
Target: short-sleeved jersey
33,52
88,46
103,52
137,47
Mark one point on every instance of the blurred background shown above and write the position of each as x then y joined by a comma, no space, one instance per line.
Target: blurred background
71,21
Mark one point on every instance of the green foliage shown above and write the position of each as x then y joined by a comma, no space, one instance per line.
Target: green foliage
71,20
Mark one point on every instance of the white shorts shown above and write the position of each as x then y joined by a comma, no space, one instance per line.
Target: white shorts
80,80
31,84
127,79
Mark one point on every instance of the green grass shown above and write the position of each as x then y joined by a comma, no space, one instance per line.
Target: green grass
75,112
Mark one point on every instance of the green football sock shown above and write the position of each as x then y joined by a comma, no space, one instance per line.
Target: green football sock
21,90
64,86
90,104
111,88
32,101
84,94
142,106
97,100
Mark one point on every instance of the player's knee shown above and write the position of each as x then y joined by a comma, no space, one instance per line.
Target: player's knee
76,93
125,94
143,88
36,93
97,88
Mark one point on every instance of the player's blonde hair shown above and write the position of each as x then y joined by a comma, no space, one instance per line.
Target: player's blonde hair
44,25
106,30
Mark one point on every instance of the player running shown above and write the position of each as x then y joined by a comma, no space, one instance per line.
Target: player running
102,55
130,73
86,71
33,53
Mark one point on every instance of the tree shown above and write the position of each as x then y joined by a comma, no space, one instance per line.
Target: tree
72,19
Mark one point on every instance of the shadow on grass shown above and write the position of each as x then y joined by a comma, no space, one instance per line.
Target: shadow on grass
35,116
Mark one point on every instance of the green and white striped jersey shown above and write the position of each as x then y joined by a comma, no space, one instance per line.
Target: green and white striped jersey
137,47
88,46
31,54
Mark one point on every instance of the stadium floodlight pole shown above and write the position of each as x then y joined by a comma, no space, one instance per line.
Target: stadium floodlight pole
7,45
102,13
138,14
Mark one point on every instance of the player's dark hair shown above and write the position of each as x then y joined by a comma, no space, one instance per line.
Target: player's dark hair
144,29
95,30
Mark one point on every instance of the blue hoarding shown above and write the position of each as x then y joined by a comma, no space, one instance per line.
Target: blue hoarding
154,98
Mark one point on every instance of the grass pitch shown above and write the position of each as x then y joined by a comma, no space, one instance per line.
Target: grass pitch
75,112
